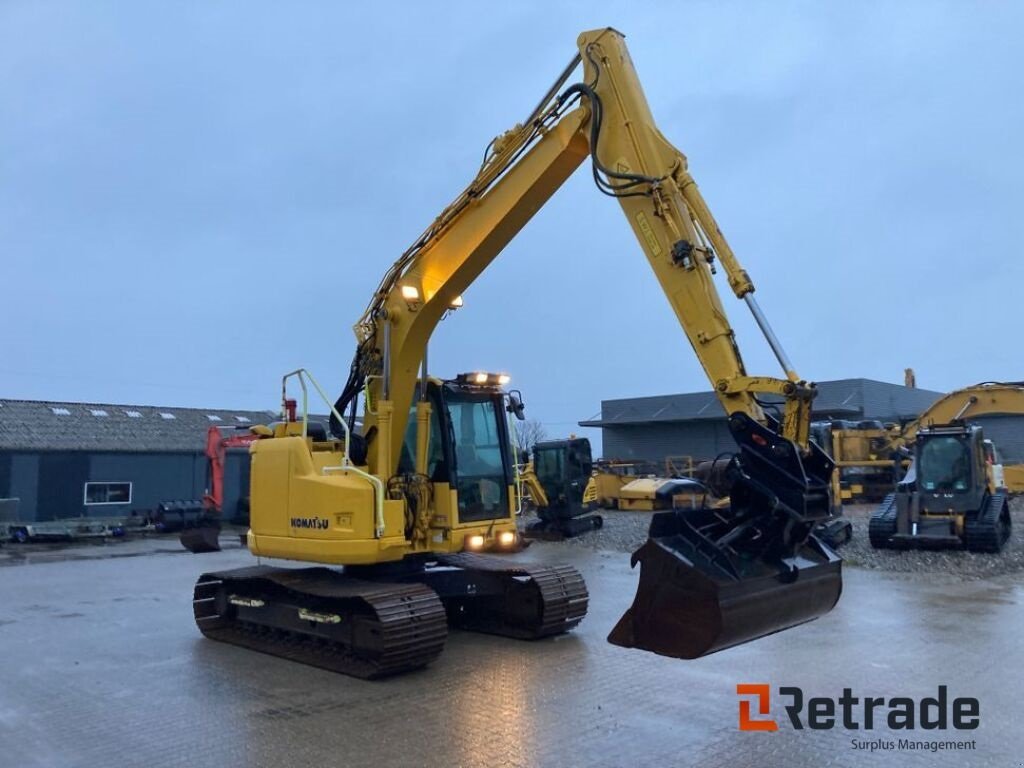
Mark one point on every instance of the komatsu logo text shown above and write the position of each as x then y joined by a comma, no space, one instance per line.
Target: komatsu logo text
316,523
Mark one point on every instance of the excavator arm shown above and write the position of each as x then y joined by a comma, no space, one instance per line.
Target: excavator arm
530,481
780,479
606,118
987,398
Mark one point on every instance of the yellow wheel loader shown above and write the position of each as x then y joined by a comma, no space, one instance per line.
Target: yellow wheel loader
395,515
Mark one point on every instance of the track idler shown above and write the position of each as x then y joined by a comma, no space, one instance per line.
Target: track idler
712,579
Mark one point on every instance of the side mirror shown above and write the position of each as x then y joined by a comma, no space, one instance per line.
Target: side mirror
516,405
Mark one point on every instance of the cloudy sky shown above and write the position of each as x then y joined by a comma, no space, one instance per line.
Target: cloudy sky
195,198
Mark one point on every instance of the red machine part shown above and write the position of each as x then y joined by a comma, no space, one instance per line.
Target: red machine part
217,444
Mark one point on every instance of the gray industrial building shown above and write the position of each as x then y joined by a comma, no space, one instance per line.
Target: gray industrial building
693,424
62,460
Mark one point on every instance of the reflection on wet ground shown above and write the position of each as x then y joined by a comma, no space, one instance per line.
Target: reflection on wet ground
102,665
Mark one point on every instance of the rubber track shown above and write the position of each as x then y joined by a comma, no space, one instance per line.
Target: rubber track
983,533
410,620
563,593
882,524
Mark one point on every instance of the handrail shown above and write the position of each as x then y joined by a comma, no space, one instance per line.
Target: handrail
518,485
346,462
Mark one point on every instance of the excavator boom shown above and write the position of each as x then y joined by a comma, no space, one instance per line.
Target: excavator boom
760,549
986,398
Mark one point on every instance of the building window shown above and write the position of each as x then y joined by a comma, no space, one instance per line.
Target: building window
167,416
133,414
98,412
214,417
108,493
60,411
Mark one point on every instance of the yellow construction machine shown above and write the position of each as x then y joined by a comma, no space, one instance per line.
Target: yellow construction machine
642,486
558,476
955,493
406,502
882,452
566,486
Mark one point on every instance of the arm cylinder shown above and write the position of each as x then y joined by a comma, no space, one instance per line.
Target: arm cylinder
770,337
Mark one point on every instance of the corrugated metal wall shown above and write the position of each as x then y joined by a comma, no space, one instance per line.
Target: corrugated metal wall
51,485
25,483
706,439
1007,432
155,477
61,486
653,442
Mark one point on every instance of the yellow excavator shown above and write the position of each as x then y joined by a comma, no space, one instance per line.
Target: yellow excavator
558,477
886,450
989,398
407,503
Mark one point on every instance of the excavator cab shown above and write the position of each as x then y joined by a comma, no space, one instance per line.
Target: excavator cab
563,468
714,578
469,446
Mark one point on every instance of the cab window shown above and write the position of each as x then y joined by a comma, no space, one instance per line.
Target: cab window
436,469
945,465
480,470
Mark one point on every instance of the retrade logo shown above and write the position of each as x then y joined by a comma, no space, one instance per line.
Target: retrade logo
762,694
898,713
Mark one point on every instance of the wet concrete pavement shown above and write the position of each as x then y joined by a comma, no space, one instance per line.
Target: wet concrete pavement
101,665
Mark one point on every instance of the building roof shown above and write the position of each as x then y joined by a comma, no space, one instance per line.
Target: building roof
839,399
46,425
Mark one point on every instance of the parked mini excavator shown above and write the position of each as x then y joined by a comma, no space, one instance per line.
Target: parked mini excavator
557,477
407,502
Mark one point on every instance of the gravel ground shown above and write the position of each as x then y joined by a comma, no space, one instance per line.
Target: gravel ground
622,531
626,531
967,565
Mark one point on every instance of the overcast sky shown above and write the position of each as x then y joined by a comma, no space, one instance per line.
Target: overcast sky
197,197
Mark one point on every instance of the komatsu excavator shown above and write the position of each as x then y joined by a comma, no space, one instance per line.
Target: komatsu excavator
407,503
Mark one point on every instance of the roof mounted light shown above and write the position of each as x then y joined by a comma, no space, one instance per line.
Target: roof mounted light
483,379
456,303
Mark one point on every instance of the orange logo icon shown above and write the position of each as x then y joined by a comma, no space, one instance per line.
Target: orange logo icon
761,690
